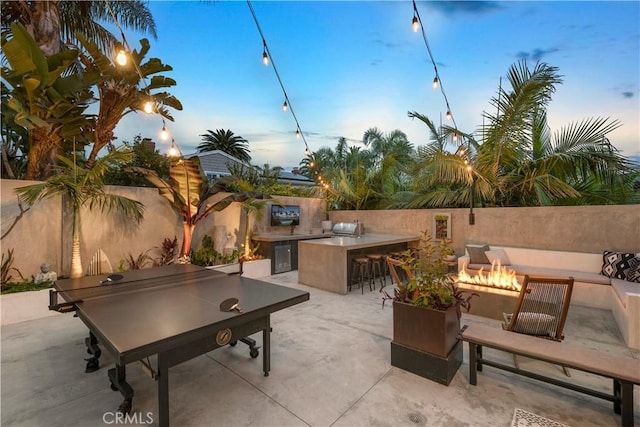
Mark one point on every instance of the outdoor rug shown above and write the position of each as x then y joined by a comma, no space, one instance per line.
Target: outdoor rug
522,418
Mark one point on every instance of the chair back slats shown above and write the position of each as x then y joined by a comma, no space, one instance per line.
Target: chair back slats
542,307
400,275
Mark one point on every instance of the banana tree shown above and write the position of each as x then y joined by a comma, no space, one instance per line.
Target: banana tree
47,100
82,187
189,192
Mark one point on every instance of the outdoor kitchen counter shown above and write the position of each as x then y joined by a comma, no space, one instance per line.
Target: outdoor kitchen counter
326,263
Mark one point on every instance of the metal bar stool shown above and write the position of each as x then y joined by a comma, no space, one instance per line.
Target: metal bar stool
360,271
377,269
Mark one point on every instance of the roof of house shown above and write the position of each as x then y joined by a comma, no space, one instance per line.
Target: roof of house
217,162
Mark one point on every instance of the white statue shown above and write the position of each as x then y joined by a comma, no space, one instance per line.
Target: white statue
45,275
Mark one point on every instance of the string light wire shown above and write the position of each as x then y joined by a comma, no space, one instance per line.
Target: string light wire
287,101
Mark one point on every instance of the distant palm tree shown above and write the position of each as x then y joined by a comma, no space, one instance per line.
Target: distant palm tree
225,140
83,187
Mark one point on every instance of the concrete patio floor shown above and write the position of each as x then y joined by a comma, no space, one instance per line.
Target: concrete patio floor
330,366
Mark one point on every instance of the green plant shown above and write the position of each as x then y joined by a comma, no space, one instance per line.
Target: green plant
138,263
430,285
7,264
207,255
168,251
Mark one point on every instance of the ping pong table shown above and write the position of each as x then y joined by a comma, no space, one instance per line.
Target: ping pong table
172,312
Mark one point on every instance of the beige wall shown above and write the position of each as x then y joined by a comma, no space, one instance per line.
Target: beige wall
580,228
43,234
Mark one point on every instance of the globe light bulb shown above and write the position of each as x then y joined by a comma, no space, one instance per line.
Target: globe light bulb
298,133
312,164
414,24
285,106
435,82
164,133
121,57
265,58
306,152
173,150
448,115
148,107
455,137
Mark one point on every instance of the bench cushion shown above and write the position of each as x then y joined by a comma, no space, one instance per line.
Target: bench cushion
622,288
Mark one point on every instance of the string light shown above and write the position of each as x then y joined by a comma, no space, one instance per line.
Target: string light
121,58
164,133
148,107
266,56
174,151
414,24
455,137
437,81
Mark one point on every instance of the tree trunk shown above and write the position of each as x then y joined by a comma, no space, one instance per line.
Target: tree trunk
247,242
186,240
76,260
42,154
45,26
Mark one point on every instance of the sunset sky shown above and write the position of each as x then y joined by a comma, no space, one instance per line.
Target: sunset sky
351,66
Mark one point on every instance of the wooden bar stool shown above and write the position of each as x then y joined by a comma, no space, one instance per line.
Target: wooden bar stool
377,269
360,271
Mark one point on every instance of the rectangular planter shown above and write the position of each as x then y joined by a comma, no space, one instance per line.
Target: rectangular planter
435,368
424,329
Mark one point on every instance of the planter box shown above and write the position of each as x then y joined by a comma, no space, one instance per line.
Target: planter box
23,306
424,329
435,368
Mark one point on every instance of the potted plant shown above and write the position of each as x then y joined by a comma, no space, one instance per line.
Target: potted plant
426,314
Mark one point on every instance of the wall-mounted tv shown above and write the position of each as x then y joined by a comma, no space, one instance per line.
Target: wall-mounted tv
285,215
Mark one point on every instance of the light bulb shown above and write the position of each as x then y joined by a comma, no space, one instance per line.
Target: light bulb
298,133
164,133
121,57
312,164
265,58
435,82
306,152
448,115
469,168
455,137
173,150
285,106
148,107
414,24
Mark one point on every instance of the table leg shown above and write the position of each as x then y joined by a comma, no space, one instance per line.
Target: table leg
163,392
93,363
118,378
266,347
626,394
617,395
473,376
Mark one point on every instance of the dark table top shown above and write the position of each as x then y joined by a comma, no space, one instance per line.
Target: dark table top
148,311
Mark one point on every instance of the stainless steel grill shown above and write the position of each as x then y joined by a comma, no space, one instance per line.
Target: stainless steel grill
349,229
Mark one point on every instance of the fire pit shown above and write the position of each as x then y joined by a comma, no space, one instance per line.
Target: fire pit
498,289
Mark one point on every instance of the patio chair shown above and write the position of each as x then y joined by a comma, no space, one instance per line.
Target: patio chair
400,275
541,309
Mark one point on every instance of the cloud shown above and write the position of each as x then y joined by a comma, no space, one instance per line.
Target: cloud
537,54
452,7
628,94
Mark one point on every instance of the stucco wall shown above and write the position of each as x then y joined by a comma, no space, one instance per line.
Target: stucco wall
573,228
43,234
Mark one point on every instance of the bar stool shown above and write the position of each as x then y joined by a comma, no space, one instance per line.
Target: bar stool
377,269
360,270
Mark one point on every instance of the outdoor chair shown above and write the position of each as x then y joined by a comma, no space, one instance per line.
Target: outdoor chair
541,309
400,275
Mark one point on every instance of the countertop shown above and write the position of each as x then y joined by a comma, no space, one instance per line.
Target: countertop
281,237
366,240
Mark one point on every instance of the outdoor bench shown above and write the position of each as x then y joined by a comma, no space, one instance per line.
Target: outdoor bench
625,372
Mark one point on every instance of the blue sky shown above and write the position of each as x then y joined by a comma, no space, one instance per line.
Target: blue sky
350,66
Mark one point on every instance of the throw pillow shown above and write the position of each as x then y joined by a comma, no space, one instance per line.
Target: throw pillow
533,323
498,255
614,264
632,274
477,254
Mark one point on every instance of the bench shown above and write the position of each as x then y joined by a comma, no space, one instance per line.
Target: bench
625,372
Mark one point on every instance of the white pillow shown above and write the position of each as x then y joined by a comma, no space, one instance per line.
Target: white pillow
498,255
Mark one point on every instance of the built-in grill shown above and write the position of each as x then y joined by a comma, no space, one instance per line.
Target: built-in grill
348,229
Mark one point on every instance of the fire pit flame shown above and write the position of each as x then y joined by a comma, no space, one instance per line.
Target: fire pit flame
497,277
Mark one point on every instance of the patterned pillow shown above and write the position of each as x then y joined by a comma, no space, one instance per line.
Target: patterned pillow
614,264
632,274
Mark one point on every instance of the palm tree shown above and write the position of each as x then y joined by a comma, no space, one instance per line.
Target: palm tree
81,187
226,141
520,162
53,22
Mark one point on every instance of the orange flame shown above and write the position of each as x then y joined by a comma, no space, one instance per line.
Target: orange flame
497,277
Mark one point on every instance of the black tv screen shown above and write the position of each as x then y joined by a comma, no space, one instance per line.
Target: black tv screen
285,215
